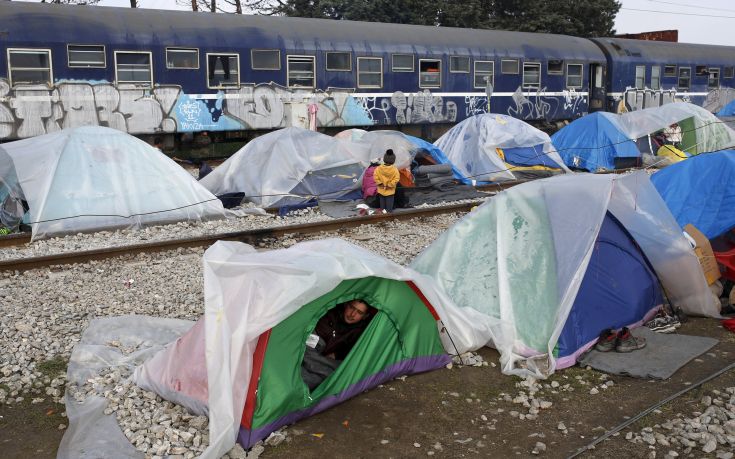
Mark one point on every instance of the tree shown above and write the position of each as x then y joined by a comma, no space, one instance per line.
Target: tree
582,18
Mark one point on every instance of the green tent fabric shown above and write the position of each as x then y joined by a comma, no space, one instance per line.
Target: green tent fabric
402,338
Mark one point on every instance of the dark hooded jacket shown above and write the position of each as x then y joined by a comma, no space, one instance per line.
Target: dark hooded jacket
338,335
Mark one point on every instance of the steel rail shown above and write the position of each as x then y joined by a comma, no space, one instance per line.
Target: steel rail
252,237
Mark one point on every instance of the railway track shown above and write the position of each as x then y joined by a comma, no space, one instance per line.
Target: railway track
252,237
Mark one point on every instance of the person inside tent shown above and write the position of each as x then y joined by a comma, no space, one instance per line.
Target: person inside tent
335,335
672,135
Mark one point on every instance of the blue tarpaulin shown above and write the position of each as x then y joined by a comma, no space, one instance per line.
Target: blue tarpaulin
593,142
727,110
438,155
701,191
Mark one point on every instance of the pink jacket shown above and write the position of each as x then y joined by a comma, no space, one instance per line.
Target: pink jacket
369,187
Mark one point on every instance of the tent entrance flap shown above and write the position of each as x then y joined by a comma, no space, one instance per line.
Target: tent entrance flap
402,338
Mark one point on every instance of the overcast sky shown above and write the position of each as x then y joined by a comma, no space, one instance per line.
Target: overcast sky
712,22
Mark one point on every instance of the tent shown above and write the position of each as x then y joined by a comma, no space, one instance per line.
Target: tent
490,148
95,178
701,191
728,109
293,165
594,142
437,156
557,260
240,363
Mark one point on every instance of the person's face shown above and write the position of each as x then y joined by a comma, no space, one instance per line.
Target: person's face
355,311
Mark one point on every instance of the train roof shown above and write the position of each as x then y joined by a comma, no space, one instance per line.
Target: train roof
36,24
622,49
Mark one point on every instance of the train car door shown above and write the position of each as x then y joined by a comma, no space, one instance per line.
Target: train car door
597,87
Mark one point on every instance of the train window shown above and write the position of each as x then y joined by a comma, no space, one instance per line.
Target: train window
369,72
685,74
86,56
531,75
223,70
555,67
713,82
640,76
30,66
339,62
402,62
133,67
728,72
509,66
459,64
574,75
669,70
655,77
300,71
430,73
182,58
484,74
265,59
700,70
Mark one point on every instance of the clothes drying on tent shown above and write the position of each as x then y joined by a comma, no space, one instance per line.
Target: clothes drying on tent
700,191
241,362
472,148
586,271
97,178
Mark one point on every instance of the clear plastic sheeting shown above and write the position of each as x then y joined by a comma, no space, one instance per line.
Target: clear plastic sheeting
248,292
702,131
471,146
91,433
293,165
519,259
97,178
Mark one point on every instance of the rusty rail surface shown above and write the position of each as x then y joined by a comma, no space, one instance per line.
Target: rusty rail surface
248,236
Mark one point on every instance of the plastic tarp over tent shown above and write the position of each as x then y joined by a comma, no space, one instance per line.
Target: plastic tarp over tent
701,191
474,147
522,257
294,165
95,178
593,141
254,297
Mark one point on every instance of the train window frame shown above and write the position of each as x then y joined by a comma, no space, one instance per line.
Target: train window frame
570,75
560,62
641,77
511,61
670,71
700,70
537,65
50,67
326,61
713,71
303,58
149,83
728,72
178,49
360,72
475,74
451,61
72,65
393,67
219,55
656,77
688,78
421,74
267,50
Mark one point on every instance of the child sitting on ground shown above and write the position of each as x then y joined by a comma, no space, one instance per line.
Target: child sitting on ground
386,177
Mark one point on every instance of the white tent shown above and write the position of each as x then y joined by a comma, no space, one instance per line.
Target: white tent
95,178
472,146
292,165
520,258
247,293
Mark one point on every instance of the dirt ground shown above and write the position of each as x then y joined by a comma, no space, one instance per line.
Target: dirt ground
440,414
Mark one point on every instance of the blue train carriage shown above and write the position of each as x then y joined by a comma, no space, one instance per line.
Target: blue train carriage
153,72
643,74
